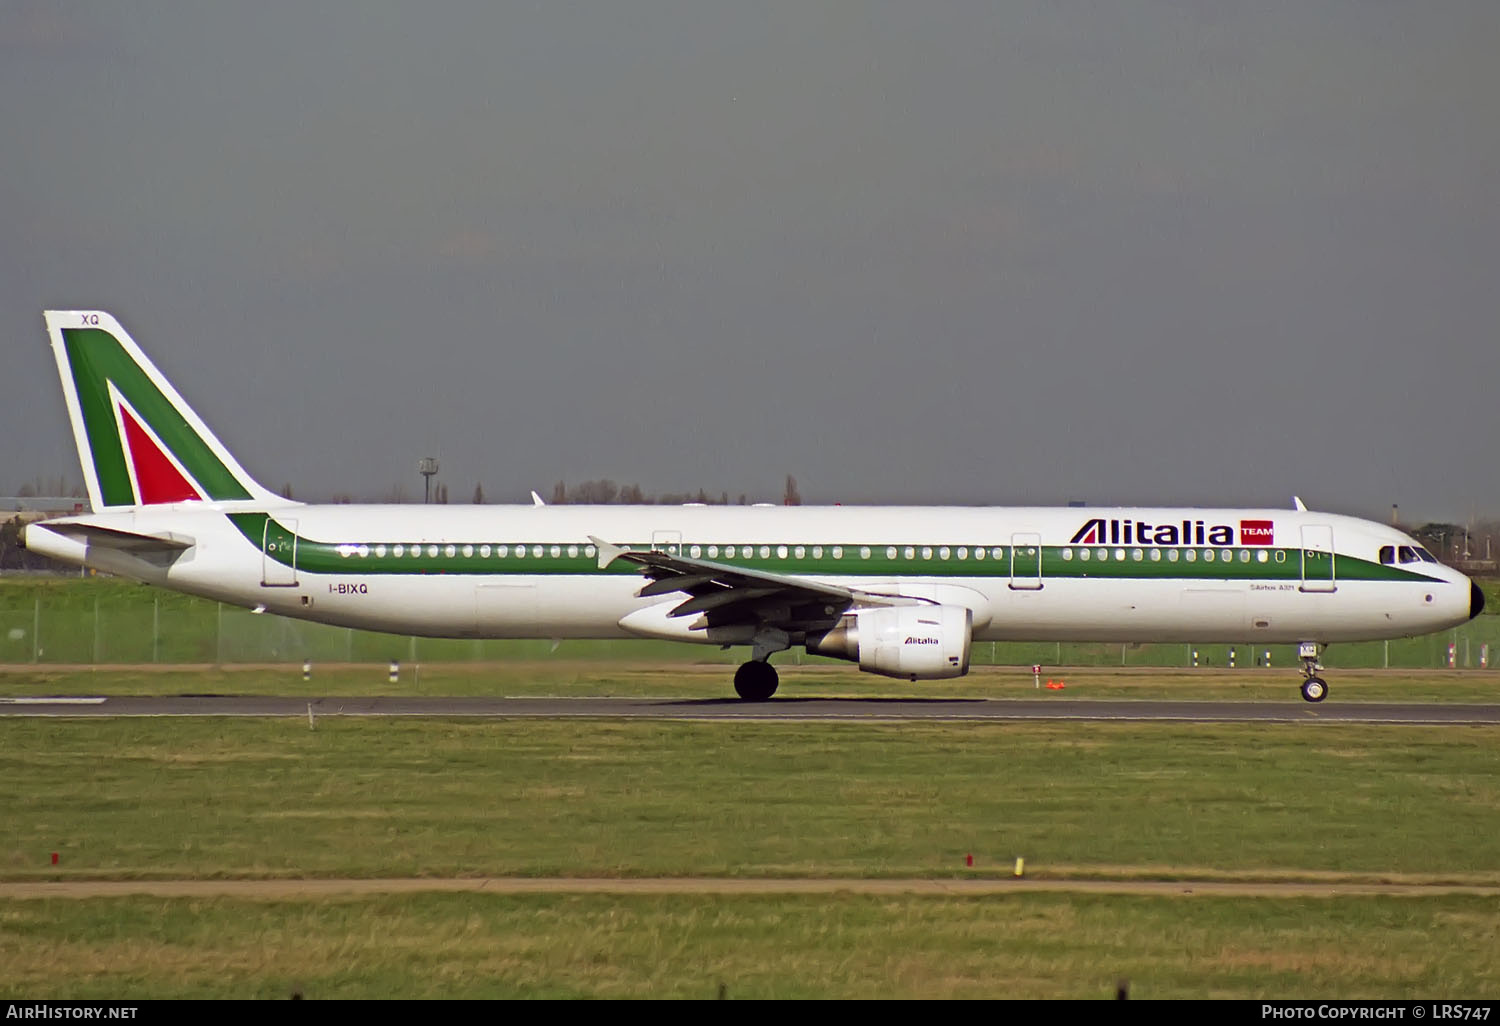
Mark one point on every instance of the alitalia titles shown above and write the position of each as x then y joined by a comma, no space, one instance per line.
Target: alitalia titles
1099,531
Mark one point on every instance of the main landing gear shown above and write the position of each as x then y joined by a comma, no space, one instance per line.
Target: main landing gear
756,680
1314,689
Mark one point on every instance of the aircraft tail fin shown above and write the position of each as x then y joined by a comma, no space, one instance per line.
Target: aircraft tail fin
139,441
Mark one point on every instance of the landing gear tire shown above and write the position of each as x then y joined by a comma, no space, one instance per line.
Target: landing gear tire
755,681
1314,690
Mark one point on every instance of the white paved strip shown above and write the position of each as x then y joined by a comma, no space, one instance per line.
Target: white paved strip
33,700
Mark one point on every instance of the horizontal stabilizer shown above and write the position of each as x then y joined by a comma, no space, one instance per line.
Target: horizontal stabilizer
114,538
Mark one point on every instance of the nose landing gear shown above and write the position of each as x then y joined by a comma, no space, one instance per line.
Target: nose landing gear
1314,689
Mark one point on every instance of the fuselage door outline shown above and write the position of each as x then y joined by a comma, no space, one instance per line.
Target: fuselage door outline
1318,558
278,554
1026,562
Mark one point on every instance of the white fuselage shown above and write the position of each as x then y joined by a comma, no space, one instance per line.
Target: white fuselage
1103,574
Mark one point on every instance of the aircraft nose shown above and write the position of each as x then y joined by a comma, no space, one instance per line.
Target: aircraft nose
1476,600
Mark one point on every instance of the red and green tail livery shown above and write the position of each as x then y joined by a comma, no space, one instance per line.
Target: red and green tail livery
139,441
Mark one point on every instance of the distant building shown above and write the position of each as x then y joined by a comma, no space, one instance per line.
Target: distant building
33,507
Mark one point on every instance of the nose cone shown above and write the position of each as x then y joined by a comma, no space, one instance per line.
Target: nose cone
1476,600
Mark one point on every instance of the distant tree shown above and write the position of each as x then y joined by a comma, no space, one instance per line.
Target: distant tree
631,495
442,494
1439,538
286,490
559,494
791,497
10,544
723,498
742,498
27,491
479,495
14,555
596,493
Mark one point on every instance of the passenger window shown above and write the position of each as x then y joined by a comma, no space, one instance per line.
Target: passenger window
1388,554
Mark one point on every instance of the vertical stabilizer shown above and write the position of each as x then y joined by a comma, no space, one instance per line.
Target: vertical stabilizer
139,442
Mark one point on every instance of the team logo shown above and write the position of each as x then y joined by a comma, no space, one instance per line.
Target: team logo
1257,532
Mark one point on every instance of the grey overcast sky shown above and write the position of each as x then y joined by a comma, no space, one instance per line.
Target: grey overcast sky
1147,252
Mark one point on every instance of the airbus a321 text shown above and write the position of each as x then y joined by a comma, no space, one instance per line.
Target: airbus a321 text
903,592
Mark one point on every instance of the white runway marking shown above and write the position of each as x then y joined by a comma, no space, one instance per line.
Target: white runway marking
51,701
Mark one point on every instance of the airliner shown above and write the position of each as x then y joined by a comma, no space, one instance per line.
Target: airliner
903,592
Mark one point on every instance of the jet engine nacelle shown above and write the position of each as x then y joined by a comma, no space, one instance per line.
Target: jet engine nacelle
912,642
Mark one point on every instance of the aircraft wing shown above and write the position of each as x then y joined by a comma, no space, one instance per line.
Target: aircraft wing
726,594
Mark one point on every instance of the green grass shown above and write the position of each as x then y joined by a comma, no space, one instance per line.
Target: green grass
195,798
570,946
371,798
1491,588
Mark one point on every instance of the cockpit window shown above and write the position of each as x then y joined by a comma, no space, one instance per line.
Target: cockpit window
1405,554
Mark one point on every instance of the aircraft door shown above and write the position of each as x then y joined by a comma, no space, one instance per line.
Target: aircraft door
278,554
1026,562
1318,558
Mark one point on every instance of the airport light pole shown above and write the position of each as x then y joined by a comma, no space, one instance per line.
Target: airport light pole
427,466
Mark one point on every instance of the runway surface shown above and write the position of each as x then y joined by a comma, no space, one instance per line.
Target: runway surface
816,710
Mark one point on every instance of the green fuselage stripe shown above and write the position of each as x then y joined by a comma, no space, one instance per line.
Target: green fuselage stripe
1281,564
